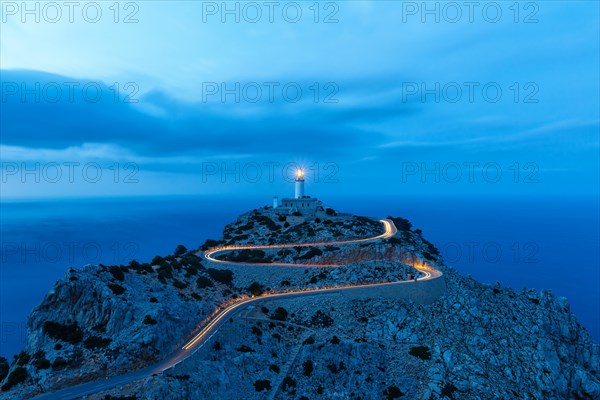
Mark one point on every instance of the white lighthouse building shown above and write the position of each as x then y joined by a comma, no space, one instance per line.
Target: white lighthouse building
301,203
299,183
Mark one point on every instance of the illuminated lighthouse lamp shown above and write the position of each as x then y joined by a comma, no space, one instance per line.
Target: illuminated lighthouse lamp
300,203
299,183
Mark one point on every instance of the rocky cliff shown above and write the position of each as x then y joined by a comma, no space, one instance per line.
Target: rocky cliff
474,342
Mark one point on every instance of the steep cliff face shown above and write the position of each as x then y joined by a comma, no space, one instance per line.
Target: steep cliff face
477,341
99,321
135,313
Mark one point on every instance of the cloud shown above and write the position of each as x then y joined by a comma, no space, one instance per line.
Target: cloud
367,132
87,151
160,125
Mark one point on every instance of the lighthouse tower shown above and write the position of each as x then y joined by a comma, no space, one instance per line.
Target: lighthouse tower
300,203
299,184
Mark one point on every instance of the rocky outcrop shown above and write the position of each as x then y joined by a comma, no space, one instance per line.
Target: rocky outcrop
477,341
100,321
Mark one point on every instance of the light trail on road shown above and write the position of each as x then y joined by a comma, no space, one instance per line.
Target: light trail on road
212,324
389,231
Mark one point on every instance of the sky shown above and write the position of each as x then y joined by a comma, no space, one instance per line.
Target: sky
388,97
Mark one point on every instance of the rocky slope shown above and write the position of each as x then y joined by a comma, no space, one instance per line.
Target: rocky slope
477,341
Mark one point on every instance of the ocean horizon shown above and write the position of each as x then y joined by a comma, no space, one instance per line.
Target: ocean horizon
521,242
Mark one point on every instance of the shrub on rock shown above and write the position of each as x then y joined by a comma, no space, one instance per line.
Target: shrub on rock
18,375
204,282
42,363
148,320
67,333
224,276
96,342
4,367
116,289
280,314
117,273
308,368
180,250
420,351
262,384
392,392
245,349
256,289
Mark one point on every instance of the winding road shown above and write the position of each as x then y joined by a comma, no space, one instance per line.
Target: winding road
211,325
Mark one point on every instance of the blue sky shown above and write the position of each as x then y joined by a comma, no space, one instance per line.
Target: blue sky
370,122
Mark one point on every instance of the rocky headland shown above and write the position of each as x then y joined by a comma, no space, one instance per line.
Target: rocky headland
474,341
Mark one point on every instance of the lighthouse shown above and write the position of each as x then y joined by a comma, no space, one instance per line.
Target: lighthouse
299,184
300,203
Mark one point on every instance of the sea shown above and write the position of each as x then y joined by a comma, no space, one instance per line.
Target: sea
521,242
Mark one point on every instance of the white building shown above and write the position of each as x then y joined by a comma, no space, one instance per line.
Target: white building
300,202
